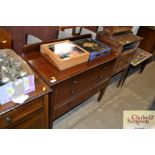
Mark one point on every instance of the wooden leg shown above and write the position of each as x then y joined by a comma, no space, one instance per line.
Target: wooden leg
120,80
46,112
126,72
143,67
101,95
123,77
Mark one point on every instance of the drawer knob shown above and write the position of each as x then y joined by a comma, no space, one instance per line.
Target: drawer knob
105,67
75,82
72,92
8,120
100,76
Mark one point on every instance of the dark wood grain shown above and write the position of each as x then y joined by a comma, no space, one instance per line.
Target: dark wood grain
148,43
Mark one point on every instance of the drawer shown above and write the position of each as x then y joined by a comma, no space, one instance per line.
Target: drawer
32,121
18,113
38,125
87,94
59,111
123,62
81,82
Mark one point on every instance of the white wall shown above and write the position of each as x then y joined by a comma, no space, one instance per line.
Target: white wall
135,29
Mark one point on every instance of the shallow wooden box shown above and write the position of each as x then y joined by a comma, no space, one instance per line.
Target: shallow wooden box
59,62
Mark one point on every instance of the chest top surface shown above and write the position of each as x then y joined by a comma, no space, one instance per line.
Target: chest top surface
47,71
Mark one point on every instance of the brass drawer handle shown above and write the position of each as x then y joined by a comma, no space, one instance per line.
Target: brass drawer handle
100,77
105,67
72,92
8,120
75,82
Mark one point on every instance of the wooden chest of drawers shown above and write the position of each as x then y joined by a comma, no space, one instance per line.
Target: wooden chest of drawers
80,83
125,45
75,100
123,62
73,85
71,92
32,114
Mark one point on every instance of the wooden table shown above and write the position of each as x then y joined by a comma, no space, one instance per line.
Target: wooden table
73,85
134,64
33,113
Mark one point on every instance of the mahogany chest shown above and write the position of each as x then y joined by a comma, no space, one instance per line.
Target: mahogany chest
74,85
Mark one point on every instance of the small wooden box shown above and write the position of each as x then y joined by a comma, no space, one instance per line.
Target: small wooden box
125,45
64,54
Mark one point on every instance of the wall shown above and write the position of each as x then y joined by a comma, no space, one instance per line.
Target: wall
19,32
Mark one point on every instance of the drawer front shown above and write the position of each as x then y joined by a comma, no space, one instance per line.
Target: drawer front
89,93
9,118
81,82
59,111
123,62
32,121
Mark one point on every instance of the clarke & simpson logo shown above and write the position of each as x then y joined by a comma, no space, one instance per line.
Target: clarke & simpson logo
138,119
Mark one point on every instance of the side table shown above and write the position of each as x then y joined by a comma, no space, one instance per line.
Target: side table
141,58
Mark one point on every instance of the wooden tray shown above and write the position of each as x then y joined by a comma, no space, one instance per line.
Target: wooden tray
64,59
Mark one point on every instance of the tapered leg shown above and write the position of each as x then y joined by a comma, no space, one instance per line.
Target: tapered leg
101,95
120,80
125,74
143,67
